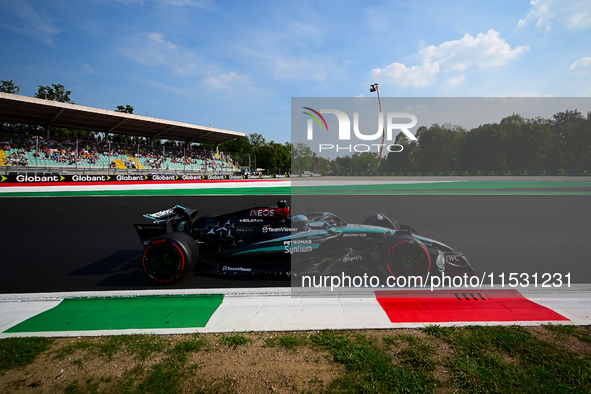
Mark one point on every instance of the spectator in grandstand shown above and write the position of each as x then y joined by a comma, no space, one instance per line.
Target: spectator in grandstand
64,151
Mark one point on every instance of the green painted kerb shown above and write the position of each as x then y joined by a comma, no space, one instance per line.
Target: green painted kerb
91,314
463,187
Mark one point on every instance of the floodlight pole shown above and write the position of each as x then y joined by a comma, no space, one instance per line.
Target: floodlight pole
375,88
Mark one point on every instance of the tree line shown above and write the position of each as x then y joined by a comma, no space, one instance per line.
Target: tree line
514,143
272,156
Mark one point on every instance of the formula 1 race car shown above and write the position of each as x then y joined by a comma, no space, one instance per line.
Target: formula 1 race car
267,240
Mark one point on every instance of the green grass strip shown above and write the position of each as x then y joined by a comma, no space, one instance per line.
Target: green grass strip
88,314
300,188
467,187
238,191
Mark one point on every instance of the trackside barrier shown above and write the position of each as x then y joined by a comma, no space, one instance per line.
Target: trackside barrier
50,178
573,172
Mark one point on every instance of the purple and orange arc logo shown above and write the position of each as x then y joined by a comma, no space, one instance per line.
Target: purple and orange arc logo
315,118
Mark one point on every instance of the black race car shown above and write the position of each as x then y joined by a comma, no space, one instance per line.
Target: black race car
268,240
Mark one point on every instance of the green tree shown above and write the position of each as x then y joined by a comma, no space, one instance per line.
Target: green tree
271,155
567,137
8,86
274,157
342,165
237,145
439,147
302,158
511,127
55,92
532,144
404,160
583,137
128,109
364,162
320,165
256,141
485,148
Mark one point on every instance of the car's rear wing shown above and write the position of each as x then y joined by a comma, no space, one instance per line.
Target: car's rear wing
171,213
148,232
177,218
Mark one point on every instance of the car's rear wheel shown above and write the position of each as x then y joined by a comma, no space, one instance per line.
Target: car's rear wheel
168,258
406,256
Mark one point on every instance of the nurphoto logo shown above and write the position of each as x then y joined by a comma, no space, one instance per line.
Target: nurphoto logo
396,122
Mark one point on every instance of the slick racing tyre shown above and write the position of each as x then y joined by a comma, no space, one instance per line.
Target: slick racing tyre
168,258
406,256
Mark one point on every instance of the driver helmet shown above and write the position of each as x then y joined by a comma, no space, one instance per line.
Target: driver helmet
299,219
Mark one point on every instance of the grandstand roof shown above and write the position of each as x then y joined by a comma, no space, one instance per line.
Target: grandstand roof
29,110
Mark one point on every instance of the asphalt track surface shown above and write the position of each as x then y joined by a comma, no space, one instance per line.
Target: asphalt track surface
89,243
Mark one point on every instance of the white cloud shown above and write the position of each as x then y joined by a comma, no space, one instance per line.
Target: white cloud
415,76
223,81
287,48
455,81
154,50
581,66
572,14
485,50
285,65
180,3
165,87
24,19
301,68
157,39
192,3
377,19
87,69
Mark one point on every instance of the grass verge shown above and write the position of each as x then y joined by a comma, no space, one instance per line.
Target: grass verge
432,359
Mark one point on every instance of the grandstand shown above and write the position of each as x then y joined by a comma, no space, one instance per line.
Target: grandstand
62,161
30,152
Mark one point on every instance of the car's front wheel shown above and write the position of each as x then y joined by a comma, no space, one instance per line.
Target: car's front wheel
168,258
405,257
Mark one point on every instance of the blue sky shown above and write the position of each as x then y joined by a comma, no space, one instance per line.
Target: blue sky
237,64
